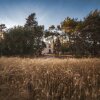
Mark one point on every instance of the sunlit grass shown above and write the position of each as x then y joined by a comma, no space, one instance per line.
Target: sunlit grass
49,79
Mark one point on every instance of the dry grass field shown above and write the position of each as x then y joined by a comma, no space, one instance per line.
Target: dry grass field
49,79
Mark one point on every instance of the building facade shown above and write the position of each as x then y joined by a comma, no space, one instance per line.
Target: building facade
48,49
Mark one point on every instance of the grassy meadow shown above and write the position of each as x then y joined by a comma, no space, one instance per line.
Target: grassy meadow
49,79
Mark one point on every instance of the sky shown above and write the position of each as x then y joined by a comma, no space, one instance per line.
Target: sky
48,12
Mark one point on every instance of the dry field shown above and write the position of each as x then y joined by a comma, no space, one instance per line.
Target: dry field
49,79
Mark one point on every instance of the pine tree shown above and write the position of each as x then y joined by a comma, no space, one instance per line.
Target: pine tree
57,46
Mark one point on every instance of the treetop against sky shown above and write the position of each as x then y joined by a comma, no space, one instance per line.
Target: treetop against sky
14,12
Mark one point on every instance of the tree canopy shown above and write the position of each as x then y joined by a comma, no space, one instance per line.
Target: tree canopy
77,37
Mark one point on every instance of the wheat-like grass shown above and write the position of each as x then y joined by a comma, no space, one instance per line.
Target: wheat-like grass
49,79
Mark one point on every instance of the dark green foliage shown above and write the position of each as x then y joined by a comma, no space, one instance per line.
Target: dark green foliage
64,48
31,21
24,40
69,25
2,26
84,36
91,31
57,46
18,40
32,25
88,34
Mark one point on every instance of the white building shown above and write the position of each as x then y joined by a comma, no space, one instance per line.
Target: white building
2,27
48,49
1,35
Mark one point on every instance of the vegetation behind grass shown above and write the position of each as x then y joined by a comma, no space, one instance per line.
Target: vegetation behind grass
49,79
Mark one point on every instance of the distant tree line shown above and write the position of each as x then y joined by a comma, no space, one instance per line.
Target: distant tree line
24,40
82,37
72,36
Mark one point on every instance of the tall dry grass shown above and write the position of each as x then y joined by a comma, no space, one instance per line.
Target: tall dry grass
49,79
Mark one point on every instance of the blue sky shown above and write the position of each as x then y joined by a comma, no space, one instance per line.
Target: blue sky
48,12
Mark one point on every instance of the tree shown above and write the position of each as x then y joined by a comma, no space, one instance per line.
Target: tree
57,46
68,26
24,40
91,31
31,21
38,32
18,41
87,35
2,27
64,48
